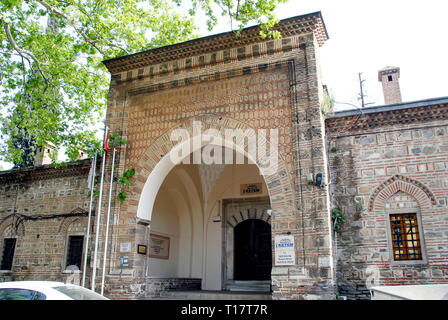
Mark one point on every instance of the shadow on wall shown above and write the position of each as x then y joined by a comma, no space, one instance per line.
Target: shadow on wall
352,271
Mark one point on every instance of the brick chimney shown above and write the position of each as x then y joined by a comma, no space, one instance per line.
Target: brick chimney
391,87
43,155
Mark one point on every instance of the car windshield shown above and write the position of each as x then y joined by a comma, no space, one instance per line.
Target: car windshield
20,294
79,293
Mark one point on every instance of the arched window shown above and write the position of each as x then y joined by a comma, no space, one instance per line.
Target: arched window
8,246
74,244
403,201
403,217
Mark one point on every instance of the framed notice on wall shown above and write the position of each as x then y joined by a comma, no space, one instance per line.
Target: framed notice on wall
159,246
285,253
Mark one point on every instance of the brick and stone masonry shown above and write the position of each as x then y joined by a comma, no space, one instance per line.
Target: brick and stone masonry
384,160
41,207
389,159
389,78
231,83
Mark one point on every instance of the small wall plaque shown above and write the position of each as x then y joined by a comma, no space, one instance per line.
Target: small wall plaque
250,189
124,261
141,249
125,247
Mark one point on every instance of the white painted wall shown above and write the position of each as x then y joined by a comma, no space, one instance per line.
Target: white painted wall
165,224
196,241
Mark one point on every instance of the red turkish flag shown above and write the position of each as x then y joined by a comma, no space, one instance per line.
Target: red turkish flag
106,144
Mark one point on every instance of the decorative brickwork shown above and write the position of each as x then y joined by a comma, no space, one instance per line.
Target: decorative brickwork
399,183
37,207
389,160
231,83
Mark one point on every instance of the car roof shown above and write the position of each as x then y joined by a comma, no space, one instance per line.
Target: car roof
45,287
31,284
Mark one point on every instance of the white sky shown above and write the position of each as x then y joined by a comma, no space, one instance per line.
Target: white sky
366,36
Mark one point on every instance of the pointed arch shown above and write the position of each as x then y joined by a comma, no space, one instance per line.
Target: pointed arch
70,222
153,167
12,226
400,183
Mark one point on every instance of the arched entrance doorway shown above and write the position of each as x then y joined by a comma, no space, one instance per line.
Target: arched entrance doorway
187,206
247,244
189,224
253,251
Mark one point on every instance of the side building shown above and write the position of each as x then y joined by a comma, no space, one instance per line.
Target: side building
389,176
43,221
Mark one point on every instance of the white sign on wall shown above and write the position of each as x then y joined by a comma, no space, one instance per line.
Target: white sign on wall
285,253
125,247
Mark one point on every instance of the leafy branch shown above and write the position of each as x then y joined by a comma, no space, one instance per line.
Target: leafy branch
338,218
125,180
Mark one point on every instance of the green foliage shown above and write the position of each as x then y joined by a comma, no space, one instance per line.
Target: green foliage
327,104
241,13
125,179
115,139
51,55
96,192
338,218
122,196
334,149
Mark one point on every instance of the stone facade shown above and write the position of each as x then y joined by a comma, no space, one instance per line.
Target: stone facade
41,207
389,159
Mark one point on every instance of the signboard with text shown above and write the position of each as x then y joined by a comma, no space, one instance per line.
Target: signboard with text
285,253
159,246
250,189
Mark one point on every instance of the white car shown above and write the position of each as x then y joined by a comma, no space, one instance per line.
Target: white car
45,290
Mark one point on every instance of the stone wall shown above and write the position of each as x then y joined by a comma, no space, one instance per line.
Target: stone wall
41,207
381,163
157,286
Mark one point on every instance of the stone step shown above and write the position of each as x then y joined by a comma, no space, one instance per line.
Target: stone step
259,286
214,295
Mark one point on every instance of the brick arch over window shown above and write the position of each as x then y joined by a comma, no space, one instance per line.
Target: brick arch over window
279,184
244,215
9,228
397,183
72,224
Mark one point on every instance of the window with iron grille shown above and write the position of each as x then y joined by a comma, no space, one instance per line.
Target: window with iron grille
405,237
74,251
9,246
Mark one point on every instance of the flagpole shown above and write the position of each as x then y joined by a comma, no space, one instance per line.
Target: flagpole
92,185
107,223
98,218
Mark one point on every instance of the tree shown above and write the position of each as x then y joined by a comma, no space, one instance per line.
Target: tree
54,86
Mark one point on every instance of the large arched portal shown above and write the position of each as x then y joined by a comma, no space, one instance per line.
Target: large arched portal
187,206
192,224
